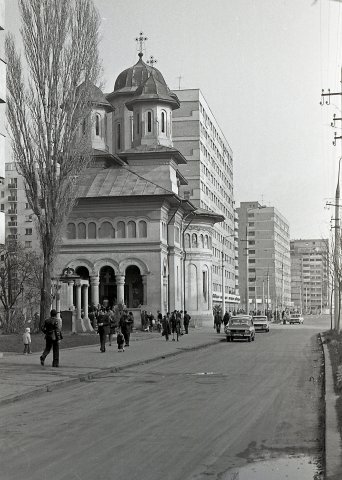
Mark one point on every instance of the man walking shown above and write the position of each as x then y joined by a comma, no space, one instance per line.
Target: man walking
53,335
187,319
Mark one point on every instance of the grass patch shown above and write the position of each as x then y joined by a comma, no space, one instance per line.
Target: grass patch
14,343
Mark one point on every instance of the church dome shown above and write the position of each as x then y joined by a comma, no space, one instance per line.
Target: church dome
154,90
131,78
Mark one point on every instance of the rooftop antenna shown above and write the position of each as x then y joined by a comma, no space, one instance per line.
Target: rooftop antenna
141,39
179,81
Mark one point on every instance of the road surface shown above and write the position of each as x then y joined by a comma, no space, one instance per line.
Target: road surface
201,414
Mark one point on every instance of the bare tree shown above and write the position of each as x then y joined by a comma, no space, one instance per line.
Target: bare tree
18,283
49,110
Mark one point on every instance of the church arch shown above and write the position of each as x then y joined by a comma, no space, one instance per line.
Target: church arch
97,124
142,228
81,231
106,262
149,121
201,241
134,289
92,230
192,289
106,230
163,122
71,231
131,229
107,285
206,242
133,261
187,240
121,230
81,262
194,240
83,272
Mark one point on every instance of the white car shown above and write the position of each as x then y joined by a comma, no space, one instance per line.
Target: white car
296,318
261,323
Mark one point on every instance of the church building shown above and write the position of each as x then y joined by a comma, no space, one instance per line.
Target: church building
132,237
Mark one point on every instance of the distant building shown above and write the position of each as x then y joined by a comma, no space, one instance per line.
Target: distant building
209,172
310,275
265,233
2,113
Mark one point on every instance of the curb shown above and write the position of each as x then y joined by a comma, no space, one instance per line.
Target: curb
333,445
50,387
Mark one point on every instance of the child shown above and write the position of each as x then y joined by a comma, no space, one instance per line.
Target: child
27,341
120,341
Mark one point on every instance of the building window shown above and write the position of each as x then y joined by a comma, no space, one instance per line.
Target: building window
28,231
163,127
27,206
118,136
92,230
106,230
2,194
138,123
131,230
149,122
71,231
2,207
142,229
120,228
81,231
28,244
97,124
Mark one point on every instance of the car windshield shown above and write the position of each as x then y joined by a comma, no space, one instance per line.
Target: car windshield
295,315
240,321
255,319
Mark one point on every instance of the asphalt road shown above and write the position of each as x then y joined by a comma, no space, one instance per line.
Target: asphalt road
198,415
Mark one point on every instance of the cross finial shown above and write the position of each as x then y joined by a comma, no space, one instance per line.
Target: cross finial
151,61
141,41
179,81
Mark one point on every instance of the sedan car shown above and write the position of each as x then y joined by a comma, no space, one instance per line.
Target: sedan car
240,326
296,318
261,323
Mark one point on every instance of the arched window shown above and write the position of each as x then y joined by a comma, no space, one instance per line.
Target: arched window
142,229
138,123
81,230
149,122
106,230
131,229
163,122
84,127
177,234
194,240
206,241
92,230
120,229
187,240
97,124
118,136
71,231
202,241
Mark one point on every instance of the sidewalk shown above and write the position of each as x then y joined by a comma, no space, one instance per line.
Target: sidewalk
22,376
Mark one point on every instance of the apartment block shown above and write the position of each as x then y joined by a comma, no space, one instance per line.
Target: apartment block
2,112
209,172
264,257
310,275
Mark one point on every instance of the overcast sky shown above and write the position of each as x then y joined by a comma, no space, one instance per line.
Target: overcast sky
261,65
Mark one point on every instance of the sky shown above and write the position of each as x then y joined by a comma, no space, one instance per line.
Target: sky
261,65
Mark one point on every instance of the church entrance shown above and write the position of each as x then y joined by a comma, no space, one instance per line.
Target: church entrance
107,288
83,273
134,292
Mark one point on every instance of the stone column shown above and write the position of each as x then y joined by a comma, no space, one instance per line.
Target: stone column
86,321
94,283
120,283
70,298
79,320
144,282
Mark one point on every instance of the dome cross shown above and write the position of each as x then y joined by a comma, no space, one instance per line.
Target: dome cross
151,61
141,42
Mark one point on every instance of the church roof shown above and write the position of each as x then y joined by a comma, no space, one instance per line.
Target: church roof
95,95
131,78
155,148
154,90
116,182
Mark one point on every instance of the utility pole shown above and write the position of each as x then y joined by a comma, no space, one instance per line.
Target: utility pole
263,295
268,291
337,249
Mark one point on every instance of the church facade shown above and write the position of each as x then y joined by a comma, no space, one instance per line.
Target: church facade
132,237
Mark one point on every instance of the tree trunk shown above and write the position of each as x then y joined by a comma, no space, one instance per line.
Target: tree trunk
45,295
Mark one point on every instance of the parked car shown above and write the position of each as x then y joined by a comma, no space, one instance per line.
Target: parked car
261,323
296,318
240,326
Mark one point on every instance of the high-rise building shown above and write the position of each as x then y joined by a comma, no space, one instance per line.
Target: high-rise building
209,172
310,275
2,112
264,257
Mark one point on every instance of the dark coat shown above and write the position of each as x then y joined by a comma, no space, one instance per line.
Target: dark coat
51,329
103,320
187,319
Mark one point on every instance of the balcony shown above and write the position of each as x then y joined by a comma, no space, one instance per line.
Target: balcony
12,186
12,198
12,237
12,224
12,212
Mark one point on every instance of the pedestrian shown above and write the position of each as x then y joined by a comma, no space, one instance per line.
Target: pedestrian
112,325
131,321
187,319
27,341
217,322
159,321
120,339
53,335
166,326
226,318
182,322
103,326
124,325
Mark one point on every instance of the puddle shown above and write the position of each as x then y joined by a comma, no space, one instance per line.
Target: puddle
286,468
